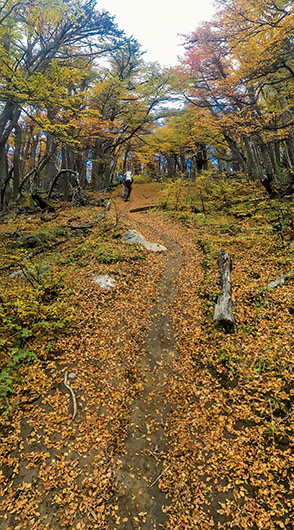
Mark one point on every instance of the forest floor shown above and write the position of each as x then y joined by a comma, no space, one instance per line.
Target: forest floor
179,425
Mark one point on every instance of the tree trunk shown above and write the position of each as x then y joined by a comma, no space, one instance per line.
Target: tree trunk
267,180
65,179
16,161
98,166
235,151
252,165
275,162
171,168
25,156
81,166
201,159
52,166
34,145
65,174
3,164
8,120
289,152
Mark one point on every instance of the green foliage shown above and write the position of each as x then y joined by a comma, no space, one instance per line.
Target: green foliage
110,253
56,232
105,247
230,228
176,195
283,222
9,374
206,195
142,179
228,360
31,311
262,365
80,251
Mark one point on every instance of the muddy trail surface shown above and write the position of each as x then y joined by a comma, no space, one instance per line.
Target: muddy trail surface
141,504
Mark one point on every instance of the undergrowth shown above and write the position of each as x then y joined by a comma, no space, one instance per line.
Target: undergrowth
257,232
33,311
35,294
142,179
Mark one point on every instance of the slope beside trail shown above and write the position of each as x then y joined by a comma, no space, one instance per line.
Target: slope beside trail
105,468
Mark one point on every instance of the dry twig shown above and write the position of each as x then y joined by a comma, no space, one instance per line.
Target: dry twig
72,395
159,476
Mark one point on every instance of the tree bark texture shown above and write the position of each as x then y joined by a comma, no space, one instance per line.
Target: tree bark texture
16,161
223,311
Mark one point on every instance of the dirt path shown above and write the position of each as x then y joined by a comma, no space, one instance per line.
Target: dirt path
141,504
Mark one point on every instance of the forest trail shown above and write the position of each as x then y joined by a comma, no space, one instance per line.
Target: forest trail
141,504
216,444
103,470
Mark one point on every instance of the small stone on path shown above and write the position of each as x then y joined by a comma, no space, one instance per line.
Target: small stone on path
134,237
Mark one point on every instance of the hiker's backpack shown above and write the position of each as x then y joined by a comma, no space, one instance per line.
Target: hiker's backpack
128,177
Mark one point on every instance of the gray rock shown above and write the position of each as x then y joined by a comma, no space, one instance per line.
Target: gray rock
30,241
46,267
106,282
23,274
18,274
134,237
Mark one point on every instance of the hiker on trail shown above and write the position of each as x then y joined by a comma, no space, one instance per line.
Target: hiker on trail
127,182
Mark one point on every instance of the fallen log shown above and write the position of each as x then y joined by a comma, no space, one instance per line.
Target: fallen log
142,209
280,281
272,285
30,241
223,311
83,226
49,218
45,249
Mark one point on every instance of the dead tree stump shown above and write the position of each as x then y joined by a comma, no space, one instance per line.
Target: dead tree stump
223,311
